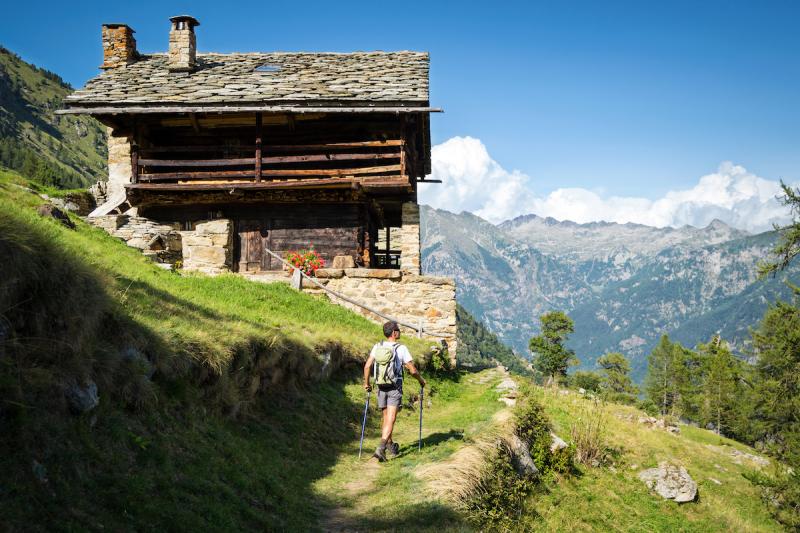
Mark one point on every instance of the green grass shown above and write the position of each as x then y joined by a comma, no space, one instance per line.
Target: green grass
238,429
232,430
615,499
392,495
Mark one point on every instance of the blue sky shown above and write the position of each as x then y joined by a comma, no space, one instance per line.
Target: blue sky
619,98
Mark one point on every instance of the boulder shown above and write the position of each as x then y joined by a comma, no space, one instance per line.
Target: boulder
82,397
671,482
51,211
521,457
556,443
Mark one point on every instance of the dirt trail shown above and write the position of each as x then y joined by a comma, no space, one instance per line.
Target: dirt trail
339,519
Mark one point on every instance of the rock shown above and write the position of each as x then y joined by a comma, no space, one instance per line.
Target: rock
39,472
671,482
715,481
332,273
343,261
675,430
563,392
507,384
556,443
137,357
581,391
51,211
510,402
82,397
521,457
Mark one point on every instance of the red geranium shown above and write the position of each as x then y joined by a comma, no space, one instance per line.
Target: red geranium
308,261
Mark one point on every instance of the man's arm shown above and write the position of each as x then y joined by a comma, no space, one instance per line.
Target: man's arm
367,372
414,372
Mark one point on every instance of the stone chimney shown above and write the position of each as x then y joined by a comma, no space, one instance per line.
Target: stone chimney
182,44
119,46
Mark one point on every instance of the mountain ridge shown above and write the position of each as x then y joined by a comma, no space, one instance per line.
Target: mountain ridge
623,285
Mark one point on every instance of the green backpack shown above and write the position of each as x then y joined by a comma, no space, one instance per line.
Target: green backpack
385,367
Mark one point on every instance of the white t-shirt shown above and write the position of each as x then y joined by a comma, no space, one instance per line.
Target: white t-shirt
403,356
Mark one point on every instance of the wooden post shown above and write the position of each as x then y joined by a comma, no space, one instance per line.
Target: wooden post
419,331
134,161
388,230
258,147
297,279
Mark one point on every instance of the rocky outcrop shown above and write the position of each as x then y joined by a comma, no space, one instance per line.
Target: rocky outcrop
671,482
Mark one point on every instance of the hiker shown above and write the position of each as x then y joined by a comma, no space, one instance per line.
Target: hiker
389,357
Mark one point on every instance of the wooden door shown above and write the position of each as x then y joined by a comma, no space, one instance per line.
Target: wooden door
253,241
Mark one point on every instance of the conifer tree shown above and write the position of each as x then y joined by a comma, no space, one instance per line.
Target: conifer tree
550,357
721,385
617,380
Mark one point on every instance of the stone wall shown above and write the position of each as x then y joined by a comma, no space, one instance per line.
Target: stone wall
407,239
159,240
410,298
209,248
120,170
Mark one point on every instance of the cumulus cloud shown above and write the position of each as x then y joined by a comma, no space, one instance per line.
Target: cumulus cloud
473,181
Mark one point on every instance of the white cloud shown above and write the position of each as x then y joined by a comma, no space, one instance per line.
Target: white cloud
473,181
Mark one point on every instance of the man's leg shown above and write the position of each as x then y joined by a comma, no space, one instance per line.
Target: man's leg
389,416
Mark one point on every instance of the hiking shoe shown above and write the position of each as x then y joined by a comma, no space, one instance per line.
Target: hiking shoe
394,449
380,455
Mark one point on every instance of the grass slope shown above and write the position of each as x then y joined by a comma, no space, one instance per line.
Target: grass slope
230,432
614,499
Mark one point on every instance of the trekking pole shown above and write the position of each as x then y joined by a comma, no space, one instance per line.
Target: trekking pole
364,424
421,403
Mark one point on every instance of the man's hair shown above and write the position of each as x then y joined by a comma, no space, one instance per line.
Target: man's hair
389,328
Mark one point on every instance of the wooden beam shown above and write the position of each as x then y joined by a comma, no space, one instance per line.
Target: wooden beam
142,109
397,181
258,147
231,162
269,172
195,123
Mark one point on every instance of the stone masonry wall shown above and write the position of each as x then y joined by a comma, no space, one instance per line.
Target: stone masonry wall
154,239
209,248
407,297
407,239
120,170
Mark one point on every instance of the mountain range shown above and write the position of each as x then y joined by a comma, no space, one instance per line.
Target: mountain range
624,285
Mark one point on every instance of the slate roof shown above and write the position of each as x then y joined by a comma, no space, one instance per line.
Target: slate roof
360,78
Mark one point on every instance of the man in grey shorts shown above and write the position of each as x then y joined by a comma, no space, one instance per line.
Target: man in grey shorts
390,397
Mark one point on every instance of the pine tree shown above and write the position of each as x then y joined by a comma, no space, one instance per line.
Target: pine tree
721,385
617,380
550,357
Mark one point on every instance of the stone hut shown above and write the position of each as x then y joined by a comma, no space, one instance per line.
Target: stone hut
225,161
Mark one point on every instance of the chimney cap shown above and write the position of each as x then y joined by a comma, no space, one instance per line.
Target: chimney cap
113,25
185,18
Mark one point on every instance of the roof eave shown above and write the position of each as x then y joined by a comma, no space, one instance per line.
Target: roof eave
109,109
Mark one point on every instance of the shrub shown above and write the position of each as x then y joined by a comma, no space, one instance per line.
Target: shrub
308,261
500,494
589,436
781,493
587,380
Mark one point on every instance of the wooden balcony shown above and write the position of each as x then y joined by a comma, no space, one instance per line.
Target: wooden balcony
369,164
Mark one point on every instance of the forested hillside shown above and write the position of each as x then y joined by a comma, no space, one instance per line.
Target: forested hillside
60,151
